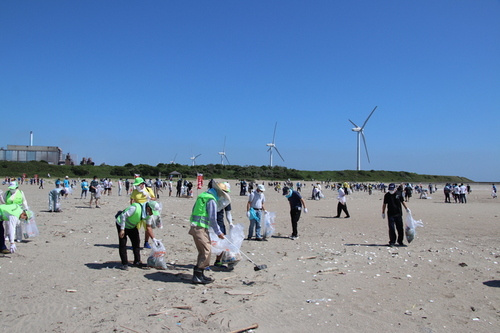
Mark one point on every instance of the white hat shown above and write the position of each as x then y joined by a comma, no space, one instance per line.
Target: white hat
261,188
12,185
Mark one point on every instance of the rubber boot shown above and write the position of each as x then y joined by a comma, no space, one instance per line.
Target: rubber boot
198,277
206,278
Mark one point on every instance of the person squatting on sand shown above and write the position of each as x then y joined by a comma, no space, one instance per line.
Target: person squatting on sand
142,194
296,206
255,206
393,200
55,198
15,196
204,216
128,223
342,204
11,214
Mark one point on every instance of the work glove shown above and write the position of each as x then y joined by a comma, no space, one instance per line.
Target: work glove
156,242
231,226
13,247
408,210
305,210
248,214
383,216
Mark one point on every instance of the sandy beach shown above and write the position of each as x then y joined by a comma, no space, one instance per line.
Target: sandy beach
339,276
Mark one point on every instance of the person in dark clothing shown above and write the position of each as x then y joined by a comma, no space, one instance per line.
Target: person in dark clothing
178,188
296,206
393,200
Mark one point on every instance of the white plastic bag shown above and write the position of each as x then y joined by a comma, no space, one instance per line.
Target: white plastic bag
268,227
235,236
29,227
157,257
411,224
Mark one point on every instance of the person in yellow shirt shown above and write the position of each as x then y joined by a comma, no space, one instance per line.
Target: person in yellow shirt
142,194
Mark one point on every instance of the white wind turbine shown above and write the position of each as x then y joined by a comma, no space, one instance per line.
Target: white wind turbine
173,161
223,154
193,158
273,146
361,133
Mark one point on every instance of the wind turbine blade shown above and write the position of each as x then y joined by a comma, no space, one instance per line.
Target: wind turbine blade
274,135
279,154
224,148
227,159
368,118
366,148
270,148
197,156
353,123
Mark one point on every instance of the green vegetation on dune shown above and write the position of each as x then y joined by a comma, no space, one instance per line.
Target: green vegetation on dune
249,172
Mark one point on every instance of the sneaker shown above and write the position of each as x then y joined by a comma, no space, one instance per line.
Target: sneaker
294,237
248,238
391,244
347,217
258,239
146,245
220,265
402,245
336,217
5,251
123,267
97,207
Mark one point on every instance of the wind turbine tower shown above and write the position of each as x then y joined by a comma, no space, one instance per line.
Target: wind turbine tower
272,146
223,154
360,133
193,158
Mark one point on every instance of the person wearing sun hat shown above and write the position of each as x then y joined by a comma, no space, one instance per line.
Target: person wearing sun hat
142,194
15,196
11,213
204,216
224,208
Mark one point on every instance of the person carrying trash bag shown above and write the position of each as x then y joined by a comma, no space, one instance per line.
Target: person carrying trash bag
393,200
11,214
204,216
255,206
223,210
128,222
15,196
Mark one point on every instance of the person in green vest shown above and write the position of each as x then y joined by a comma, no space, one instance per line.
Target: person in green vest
128,222
204,216
15,196
11,214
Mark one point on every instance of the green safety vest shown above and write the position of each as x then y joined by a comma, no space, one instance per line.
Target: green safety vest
199,217
133,220
10,209
16,199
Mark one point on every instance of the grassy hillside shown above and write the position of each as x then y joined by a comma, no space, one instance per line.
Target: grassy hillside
42,169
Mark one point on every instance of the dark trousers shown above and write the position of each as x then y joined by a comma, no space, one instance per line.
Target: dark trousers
295,215
396,224
2,237
340,208
133,234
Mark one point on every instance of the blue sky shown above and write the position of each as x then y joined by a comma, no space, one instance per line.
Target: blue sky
145,81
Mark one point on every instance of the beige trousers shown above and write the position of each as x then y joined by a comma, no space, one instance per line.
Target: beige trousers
201,239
